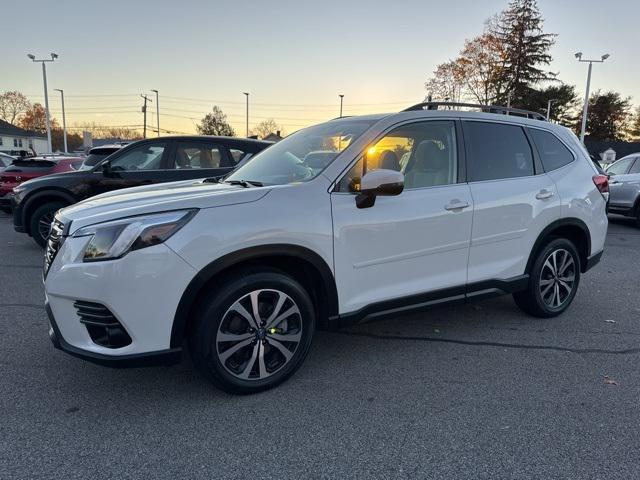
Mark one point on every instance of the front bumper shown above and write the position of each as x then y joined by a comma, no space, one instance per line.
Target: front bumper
141,290
149,359
5,200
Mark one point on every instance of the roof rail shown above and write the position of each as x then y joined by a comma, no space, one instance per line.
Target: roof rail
484,108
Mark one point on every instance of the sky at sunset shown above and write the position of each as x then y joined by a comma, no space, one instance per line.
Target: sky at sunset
294,57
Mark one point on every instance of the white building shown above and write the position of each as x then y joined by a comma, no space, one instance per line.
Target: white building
13,139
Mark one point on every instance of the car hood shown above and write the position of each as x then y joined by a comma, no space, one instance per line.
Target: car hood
157,198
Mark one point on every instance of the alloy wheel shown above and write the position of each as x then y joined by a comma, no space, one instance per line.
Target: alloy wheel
44,224
557,278
259,334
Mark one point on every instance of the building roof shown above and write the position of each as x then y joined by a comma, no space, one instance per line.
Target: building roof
7,129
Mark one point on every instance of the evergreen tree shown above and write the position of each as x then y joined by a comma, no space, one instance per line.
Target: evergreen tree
608,116
565,103
634,131
526,49
215,123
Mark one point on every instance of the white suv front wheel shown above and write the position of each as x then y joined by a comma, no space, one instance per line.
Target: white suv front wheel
253,332
553,281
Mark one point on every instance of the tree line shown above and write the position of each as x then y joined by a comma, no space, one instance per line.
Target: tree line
16,109
509,64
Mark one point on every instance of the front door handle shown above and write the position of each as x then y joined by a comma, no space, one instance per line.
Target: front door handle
544,193
456,205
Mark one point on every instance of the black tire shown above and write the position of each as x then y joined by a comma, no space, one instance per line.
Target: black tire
39,217
260,360
547,294
638,217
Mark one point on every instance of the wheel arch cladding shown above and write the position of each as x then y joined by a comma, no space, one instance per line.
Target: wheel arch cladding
572,229
40,198
306,266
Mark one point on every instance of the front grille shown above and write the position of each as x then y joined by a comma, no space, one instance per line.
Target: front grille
102,325
54,242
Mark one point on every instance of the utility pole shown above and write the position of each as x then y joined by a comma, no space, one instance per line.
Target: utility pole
46,94
157,110
64,121
341,98
585,109
247,95
144,111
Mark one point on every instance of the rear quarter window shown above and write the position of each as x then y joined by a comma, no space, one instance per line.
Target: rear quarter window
553,153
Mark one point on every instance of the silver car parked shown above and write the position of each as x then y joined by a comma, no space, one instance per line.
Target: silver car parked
624,187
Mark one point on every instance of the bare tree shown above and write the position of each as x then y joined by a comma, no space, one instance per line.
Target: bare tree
13,105
266,127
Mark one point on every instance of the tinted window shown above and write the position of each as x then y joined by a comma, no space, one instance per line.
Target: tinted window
551,150
198,155
636,166
425,152
497,151
32,166
620,167
142,157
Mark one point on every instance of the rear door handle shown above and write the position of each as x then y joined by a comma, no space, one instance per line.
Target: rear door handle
544,193
456,205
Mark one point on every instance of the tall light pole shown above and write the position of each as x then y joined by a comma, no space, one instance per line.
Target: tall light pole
341,98
46,94
64,120
586,95
247,95
157,110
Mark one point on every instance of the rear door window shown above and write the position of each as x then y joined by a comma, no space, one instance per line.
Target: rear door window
552,151
199,155
496,151
636,166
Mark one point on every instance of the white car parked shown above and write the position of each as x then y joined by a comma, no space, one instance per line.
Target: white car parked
348,220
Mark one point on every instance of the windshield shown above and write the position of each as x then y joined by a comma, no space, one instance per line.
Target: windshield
95,157
302,155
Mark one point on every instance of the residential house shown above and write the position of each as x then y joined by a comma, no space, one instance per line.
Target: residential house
14,139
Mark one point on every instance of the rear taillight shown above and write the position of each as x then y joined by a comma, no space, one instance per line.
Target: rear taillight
602,184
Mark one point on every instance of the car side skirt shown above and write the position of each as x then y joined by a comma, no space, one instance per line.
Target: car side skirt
425,301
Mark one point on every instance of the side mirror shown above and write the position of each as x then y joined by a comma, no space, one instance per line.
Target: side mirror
380,182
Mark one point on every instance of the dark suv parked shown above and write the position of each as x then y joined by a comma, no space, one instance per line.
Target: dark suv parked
163,159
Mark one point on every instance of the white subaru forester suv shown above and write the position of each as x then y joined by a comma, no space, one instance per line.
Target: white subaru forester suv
349,220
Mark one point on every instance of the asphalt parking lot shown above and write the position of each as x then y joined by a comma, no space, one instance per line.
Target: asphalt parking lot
476,391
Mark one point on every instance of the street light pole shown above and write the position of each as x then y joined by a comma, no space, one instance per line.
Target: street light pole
341,98
247,95
157,110
586,95
64,120
46,94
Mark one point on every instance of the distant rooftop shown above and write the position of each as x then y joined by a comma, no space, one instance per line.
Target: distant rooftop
7,129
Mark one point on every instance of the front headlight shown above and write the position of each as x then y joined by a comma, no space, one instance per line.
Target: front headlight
116,238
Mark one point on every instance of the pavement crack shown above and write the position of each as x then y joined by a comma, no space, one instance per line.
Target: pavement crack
626,351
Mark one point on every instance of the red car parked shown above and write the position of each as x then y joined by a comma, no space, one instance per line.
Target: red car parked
26,169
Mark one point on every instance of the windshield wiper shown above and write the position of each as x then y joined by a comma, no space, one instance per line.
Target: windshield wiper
244,183
212,180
